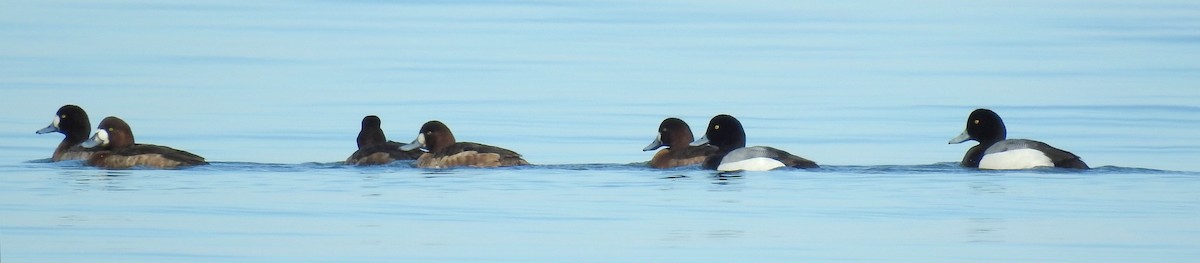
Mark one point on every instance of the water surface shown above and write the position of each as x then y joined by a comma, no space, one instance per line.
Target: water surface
272,93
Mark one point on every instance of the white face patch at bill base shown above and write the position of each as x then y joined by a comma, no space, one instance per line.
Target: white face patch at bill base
416,143
1015,159
99,139
752,164
52,128
654,144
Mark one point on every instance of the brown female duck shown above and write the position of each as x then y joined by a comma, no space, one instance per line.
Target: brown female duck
114,139
444,152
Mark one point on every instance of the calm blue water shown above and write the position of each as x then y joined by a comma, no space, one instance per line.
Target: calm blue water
273,93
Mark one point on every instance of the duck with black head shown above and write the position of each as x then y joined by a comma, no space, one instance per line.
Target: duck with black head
114,139
726,133
675,135
997,153
374,148
71,121
443,151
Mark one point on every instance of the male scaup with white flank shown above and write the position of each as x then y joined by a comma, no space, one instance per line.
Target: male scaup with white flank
726,133
71,121
374,148
114,138
996,152
676,135
444,152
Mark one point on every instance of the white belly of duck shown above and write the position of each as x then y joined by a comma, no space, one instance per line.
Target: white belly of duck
752,164
1015,159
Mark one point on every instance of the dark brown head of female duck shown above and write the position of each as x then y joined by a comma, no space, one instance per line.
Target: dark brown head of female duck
112,134
434,136
676,135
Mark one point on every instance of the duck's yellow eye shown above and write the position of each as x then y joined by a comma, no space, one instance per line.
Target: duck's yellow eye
64,116
110,129
976,122
716,127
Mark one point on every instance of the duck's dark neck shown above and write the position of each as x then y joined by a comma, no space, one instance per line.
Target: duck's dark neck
735,141
369,137
713,160
74,138
730,146
975,154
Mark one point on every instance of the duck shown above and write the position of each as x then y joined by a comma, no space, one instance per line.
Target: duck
676,135
72,121
726,133
118,150
443,151
995,152
375,149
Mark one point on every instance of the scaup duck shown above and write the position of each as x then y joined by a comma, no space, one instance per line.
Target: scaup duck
996,152
71,121
374,148
676,135
444,152
726,133
115,141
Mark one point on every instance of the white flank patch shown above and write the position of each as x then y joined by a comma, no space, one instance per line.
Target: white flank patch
1015,159
752,164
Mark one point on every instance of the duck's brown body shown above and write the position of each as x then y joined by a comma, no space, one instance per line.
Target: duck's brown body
375,149
675,134
117,150
445,152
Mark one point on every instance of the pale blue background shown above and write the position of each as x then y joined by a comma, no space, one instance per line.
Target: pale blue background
863,83
267,88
